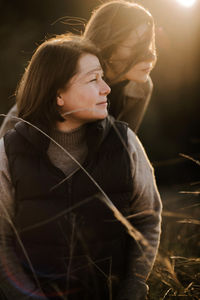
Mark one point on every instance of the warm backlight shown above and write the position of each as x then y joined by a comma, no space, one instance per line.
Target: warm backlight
186,3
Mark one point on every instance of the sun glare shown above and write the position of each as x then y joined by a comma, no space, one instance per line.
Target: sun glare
187,3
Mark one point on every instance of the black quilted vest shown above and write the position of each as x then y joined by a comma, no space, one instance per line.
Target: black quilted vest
67,229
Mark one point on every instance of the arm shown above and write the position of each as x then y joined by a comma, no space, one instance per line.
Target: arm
9,121
14,282
146,218
136,100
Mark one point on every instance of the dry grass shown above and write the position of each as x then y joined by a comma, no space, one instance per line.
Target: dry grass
176,273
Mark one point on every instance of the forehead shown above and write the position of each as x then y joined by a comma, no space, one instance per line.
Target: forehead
88,63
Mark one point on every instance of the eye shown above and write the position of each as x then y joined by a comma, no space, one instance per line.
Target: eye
97,77
93,79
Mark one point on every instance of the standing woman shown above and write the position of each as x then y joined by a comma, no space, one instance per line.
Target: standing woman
58,237
124,34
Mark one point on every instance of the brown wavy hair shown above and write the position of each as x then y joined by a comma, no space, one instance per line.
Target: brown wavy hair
51,67
112,22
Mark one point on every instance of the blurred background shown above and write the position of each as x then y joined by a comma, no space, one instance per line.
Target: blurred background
171,126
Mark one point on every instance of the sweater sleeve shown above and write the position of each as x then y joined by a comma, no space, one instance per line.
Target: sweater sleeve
145,216
9,122
14,282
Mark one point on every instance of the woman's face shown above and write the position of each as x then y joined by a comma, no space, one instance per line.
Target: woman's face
140,71
85,97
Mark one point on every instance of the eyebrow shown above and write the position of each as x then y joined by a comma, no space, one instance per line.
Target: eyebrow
82,75
94,70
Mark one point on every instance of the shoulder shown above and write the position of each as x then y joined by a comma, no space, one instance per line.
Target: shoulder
9,121
15,142
3,158
119,127
2,147
134,143
6,187
10,137
137,151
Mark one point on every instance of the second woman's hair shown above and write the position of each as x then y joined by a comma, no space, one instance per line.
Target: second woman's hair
51,67
113,22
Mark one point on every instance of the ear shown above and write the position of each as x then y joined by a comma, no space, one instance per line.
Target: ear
59,100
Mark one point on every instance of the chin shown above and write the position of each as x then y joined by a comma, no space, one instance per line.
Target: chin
139,79
143,80
102,114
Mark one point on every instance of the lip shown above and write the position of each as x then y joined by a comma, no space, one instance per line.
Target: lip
146,70
104,103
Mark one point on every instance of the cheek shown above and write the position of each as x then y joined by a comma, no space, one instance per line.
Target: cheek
86,101
136,75
71,103
82,99
122,53
88,95
132,73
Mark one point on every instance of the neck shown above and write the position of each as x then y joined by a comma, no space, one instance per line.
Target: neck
70,139
67,126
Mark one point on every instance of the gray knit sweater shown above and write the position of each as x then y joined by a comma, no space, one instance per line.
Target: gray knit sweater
146,205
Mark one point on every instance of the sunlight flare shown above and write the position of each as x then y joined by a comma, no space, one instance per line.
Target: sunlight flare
186,3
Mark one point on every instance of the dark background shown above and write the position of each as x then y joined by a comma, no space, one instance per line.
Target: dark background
171,124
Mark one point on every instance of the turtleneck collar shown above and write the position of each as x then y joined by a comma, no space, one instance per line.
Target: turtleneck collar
93,133
69,139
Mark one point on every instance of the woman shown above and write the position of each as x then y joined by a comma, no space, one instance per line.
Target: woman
124,33
68,173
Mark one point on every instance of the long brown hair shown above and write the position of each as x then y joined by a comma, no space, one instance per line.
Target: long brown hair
51,67
112,22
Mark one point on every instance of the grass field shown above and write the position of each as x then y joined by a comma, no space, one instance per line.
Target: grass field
176,273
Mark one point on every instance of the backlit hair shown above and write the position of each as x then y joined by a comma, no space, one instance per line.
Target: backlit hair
51,67
112,22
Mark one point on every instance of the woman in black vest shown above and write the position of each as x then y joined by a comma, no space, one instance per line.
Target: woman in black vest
124,34
79,207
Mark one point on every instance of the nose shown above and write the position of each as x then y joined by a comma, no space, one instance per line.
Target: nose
152,57
105,89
